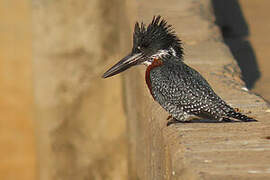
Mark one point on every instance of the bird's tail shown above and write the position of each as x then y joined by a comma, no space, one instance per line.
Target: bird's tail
236,115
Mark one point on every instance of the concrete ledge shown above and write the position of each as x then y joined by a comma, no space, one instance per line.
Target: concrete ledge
196,150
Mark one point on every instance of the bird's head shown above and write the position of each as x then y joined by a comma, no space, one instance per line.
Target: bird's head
154,41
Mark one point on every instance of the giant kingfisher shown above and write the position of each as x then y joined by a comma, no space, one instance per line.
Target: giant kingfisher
178,88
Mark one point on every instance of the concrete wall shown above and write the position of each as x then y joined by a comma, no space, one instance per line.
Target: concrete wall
81,125
201,150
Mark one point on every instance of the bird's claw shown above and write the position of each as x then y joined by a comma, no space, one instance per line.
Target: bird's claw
169,117
172,121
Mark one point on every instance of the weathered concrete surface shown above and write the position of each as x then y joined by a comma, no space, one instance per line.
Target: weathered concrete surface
81,126
196,150
17,140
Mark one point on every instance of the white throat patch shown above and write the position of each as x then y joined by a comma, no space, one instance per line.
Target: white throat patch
147,63
161,53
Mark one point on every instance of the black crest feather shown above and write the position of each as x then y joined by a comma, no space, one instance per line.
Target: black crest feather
157,35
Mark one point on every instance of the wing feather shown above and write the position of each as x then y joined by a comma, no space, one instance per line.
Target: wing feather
176,84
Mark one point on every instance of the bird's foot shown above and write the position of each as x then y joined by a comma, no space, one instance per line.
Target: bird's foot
169,117
172,120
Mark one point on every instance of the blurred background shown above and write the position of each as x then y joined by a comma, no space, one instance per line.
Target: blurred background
59,119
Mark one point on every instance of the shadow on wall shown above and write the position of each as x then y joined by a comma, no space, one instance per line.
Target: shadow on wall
235,30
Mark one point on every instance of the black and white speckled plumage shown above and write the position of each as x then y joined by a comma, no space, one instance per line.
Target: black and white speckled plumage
178,88
182,91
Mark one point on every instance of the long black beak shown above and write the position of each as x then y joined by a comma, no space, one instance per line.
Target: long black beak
122,65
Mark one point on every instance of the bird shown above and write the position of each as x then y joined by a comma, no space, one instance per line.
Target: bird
181,90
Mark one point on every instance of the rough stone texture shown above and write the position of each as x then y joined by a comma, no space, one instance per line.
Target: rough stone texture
196,150
81,125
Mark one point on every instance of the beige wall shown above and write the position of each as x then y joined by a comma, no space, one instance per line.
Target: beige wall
81,123
17,140
59,118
